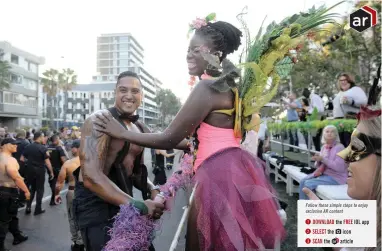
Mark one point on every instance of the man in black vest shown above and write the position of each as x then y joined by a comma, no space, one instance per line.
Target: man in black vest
110,168
57,158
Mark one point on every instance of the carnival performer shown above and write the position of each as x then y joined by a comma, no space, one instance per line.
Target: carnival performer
110,167
234,206
231,181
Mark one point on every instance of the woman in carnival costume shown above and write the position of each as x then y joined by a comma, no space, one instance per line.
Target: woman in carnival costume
234,206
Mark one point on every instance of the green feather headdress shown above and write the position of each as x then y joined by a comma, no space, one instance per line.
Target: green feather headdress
271,56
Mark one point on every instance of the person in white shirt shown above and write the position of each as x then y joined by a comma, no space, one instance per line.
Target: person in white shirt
347,102
315,101
263,139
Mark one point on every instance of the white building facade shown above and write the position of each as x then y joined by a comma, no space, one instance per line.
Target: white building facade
19,104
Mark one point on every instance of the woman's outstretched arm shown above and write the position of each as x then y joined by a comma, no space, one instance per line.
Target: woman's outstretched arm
197,107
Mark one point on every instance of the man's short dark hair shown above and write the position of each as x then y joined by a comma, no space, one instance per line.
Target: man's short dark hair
306,92
37,135
54,137
76,143
128,74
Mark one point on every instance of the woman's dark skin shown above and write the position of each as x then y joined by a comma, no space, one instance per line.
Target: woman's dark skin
197,109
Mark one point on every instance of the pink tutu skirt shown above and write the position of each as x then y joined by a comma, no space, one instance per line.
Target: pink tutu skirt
235,207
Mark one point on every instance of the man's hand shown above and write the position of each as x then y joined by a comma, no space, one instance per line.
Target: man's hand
27,195
105,123
317,174
310,194
155,209
57,199
51,176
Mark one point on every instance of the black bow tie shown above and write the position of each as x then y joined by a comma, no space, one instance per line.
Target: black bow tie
131,118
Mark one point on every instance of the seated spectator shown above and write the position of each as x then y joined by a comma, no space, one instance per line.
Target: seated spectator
330,168
364,158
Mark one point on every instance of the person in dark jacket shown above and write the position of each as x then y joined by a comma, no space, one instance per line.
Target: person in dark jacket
22,143
159,169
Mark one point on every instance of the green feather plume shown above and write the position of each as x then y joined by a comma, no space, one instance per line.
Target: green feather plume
268,57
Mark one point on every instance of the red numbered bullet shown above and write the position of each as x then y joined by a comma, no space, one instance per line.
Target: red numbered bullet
307,241
307,221
307,231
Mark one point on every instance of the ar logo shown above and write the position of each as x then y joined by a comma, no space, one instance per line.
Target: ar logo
363,19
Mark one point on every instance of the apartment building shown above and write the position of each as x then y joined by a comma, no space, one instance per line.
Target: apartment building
115,53
19,103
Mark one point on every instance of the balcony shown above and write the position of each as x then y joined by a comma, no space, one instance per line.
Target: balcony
21,71
17,88
13,110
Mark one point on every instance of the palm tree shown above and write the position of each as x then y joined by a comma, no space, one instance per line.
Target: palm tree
67,80
4,75
50,87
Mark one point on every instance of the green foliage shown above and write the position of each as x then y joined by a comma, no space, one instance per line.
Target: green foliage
44,129
270,57
347,125
354,52
52,82
314,115
4,75
168,104
67,79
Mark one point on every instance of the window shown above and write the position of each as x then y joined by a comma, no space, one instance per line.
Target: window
104,40
123,62
69,105
15,79
19,99
14,59
123,47
123,54
124,39
32,67
103,48
30,84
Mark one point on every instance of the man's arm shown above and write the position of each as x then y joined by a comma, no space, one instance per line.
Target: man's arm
61,177
93,151
164,153
49,165
13,172
63,156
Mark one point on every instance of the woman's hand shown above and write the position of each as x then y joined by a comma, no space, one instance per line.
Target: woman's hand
310,194
317,158
105,123
347,100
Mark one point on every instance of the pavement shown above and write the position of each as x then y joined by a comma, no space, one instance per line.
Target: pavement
50,231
